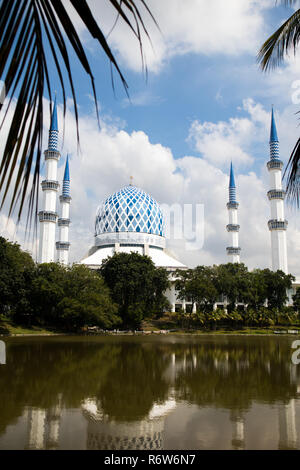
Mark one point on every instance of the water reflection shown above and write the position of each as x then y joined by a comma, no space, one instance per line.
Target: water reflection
44,427
150,393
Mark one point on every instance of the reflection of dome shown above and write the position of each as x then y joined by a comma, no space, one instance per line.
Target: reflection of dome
146,434
130,210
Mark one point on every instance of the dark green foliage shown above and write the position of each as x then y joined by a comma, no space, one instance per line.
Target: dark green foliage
86,300
136,285
277,284
262,292
16,270
130,288
198,285
51,294
296,300
71,297
232,280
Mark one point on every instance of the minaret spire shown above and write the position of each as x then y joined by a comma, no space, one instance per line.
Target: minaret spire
277,224
233,228
63,245
232,188
53,132
48,216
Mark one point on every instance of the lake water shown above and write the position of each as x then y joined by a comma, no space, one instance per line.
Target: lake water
155,392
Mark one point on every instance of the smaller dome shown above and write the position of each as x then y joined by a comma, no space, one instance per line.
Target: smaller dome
130,210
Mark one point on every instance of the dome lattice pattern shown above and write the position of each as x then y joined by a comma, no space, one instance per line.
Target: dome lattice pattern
130,210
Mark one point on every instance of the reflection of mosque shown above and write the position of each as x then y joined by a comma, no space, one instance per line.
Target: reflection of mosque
44,426
148,433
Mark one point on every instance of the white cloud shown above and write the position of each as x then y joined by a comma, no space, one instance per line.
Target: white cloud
111,155
221,142
230,27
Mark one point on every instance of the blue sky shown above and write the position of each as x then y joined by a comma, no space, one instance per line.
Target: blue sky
188,87
205,103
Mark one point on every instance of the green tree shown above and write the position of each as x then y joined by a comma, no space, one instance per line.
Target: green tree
16,269
71,297
277,283
186,285
257,293
296,300
232,280
86,300
198,286
271,54
136,285
47,291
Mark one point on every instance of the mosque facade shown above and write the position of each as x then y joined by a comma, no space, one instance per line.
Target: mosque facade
130,220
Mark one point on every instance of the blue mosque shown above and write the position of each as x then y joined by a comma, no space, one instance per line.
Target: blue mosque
130,220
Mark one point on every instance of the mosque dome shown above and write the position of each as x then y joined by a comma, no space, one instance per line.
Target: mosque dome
130,210
130,220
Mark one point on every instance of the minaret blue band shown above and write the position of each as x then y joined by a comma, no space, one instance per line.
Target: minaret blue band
66,181
274,142
232,188
53,133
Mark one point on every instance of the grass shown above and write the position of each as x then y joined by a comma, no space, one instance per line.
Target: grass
167,322
9,328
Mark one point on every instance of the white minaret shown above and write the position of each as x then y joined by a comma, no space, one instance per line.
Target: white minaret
277,224
48,216
233,228
63,245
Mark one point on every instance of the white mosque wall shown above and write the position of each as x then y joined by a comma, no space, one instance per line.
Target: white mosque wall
130,237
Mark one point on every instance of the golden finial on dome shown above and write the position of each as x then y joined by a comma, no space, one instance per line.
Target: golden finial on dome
131,181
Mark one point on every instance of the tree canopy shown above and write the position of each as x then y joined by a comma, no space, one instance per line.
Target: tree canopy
51,294
136,285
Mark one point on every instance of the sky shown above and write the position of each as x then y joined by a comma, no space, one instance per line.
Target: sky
204,103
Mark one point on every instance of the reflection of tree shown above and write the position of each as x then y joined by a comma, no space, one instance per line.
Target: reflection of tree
135,382
39,370
234,374
126,376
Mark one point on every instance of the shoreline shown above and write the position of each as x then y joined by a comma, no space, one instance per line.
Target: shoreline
262,332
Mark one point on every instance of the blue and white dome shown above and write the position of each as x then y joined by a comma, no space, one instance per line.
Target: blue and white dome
130,210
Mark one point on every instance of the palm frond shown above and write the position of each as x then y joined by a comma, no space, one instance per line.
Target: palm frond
293,175
27,28
289,3
278,45
271,54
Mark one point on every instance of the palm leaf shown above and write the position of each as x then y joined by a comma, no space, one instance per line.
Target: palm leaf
293,175
27,27
278,45
271,54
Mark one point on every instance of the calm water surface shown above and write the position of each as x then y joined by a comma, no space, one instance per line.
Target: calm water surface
183,392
